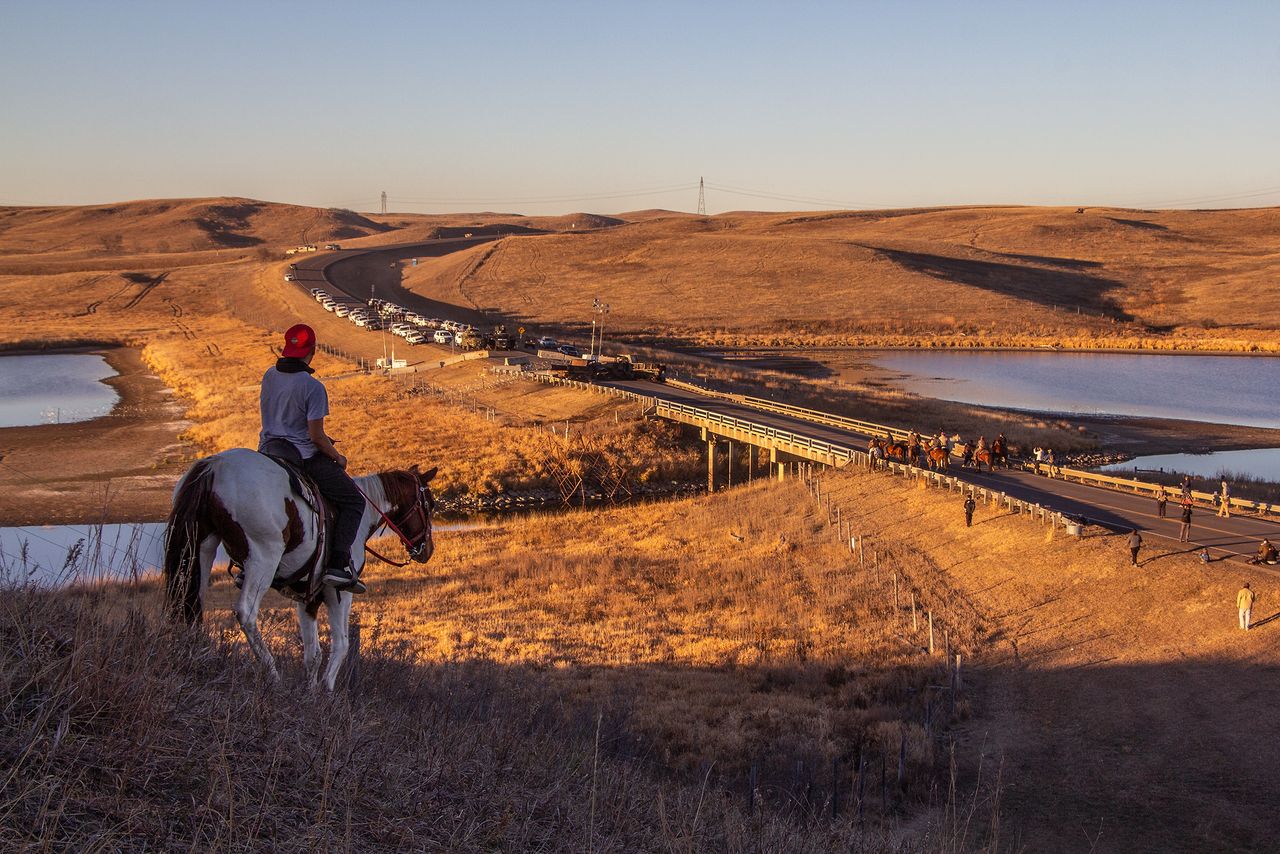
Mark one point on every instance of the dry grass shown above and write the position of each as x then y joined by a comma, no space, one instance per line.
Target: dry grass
121,733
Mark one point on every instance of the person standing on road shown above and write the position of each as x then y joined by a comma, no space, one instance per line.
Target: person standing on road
1135,543
1224,507
1038,453
1162,498
1244,603
1048,458
969,506
1186,490
1184,535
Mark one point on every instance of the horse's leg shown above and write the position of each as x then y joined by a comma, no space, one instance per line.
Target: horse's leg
309,628
339,607
259,570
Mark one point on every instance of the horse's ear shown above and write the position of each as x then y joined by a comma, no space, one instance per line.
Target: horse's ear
414,468
427,475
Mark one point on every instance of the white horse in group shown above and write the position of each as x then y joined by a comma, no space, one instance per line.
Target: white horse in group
248,504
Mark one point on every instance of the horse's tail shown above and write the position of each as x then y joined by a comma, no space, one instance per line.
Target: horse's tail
188,527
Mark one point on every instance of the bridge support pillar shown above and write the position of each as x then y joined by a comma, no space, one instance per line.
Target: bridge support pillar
779,466
718,451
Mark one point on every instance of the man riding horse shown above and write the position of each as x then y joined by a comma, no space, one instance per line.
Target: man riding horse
294,405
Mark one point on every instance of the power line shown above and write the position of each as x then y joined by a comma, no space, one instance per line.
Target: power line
702,198
779,197
581,197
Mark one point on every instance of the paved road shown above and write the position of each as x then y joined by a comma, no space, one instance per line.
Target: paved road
315,270
1236,537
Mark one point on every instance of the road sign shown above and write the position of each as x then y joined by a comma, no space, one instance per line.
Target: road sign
520,330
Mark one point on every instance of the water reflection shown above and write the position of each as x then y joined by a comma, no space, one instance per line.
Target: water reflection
1216,389
54,388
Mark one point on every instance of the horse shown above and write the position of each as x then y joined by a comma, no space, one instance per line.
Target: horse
999,452
986,455
896,450
937,458
250,505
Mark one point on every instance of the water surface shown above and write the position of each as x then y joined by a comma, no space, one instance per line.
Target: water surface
54,555
54,388
1217,389
1261,463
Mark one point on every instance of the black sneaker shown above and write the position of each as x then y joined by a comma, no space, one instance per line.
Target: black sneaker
343,578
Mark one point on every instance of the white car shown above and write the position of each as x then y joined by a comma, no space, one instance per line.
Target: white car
321,296
442,336
547,343
329,305
342,310
415,338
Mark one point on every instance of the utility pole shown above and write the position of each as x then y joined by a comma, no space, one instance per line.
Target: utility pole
702,200
384,202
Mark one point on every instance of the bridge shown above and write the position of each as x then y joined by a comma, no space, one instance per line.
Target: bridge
790,434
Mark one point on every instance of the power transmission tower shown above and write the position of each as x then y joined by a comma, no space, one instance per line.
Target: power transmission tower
384,201
702,200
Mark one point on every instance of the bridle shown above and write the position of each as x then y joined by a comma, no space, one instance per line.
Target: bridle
423,506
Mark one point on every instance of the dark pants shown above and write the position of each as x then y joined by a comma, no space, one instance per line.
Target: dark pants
348,504
1160,509
968,518
1133,555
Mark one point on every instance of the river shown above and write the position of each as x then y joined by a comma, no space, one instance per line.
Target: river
1216,389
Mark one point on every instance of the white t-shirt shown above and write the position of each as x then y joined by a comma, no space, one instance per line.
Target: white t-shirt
288,401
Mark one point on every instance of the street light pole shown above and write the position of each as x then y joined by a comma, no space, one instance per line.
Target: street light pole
604,310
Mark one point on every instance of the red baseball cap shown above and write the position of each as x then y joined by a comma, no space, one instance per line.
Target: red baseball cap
299,342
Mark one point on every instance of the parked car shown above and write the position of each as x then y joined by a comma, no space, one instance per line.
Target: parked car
415,338
569,350
546,342
329,305
289,277
332,246
442,336
342,310
321,296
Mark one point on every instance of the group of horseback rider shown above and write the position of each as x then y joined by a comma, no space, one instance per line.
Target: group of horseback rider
935,451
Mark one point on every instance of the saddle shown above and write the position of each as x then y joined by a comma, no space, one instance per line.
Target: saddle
303,585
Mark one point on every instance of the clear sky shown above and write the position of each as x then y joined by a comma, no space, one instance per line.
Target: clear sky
548,107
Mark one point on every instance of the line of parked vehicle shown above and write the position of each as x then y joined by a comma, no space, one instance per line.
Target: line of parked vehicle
380,314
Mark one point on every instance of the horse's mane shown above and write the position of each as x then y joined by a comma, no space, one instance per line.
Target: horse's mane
399,488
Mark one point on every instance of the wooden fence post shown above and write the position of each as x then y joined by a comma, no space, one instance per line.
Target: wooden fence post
931,631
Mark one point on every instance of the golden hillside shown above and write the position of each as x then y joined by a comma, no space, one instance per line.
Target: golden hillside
975,270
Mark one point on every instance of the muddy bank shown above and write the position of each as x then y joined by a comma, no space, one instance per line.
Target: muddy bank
118,467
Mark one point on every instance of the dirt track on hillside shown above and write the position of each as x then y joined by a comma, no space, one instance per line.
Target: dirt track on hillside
121,467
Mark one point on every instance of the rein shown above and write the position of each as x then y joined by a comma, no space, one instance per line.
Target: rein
409,545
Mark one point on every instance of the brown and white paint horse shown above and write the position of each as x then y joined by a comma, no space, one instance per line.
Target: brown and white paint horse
243,501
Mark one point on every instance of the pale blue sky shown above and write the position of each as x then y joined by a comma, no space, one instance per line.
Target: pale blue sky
545,107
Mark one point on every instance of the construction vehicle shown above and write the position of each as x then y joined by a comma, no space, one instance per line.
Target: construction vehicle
469,339
621,368
501,339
